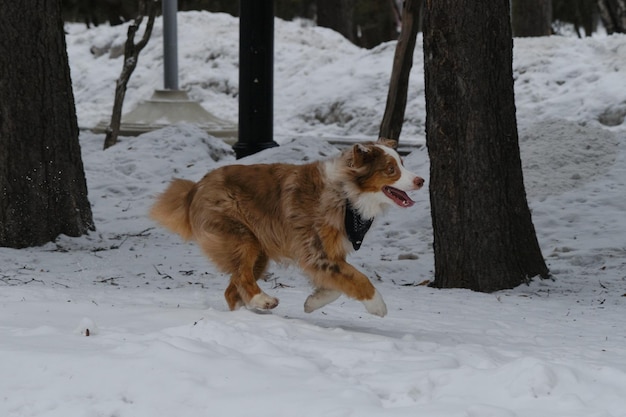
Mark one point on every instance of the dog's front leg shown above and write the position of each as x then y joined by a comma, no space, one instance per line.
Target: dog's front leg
331,278
376,305
319,298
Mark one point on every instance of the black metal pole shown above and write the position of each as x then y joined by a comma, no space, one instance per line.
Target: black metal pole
256,77
170,45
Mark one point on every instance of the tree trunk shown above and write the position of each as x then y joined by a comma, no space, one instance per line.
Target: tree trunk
581,13
337,15
43,192
391,125
613,15
531,17
484,238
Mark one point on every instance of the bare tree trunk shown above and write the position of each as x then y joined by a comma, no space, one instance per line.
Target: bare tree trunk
582,13
613,15
531,17
43,192
131,56
484,238
391,125
337,15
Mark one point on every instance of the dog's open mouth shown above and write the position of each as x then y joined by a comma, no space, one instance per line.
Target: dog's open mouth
398,196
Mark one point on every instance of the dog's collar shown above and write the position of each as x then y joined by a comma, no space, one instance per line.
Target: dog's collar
356,226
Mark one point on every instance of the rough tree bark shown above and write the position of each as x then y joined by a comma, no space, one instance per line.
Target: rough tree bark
43,192
484,238
131,56
393,118
613,15
531,17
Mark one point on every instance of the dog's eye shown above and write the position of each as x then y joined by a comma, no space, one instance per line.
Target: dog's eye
390,170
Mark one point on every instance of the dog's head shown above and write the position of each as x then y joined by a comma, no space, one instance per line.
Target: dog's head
379,178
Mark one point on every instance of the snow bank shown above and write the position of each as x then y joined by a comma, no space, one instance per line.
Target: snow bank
161,341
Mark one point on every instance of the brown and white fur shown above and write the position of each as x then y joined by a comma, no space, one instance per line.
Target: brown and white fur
243,216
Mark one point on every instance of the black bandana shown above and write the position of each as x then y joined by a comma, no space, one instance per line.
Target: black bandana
356,226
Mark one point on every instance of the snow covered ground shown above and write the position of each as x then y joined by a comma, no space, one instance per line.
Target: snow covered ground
161,339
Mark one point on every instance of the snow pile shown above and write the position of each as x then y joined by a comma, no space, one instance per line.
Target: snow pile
131,321
325,86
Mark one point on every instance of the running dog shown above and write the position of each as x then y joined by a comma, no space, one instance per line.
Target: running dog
314,214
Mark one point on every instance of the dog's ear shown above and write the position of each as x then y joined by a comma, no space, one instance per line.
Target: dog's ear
360,155
390,143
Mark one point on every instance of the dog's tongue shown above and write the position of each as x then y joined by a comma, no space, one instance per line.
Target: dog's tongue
398,196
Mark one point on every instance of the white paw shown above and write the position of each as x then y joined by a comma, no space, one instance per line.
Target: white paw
263,301
376,305
320,298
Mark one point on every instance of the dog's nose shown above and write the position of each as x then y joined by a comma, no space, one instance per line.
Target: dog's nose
418,181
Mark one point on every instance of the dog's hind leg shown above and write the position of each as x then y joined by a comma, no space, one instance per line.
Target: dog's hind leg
252,267
243,289
232,297
341,277
232,293
235,250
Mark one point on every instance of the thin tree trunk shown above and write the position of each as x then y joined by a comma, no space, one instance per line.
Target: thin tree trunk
531,17
43,192
484,238
613,15
337,15
391,125
131,56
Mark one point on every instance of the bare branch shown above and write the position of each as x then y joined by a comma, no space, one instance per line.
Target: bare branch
131,57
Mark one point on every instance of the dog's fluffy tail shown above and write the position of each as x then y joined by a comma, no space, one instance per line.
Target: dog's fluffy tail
172,207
